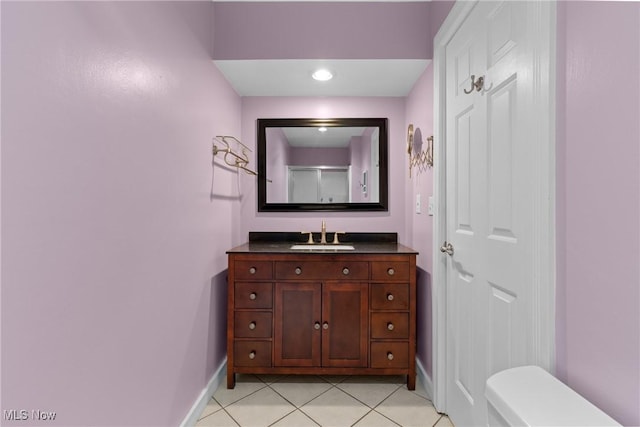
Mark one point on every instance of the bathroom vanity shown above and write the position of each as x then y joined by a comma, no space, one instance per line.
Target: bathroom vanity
347,309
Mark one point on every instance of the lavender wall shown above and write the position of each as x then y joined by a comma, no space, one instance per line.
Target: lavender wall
598,192
283,30
360,162
274,107
114,223
279,155
319,156
419,112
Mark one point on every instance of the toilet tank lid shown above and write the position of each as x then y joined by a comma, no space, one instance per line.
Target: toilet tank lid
530,396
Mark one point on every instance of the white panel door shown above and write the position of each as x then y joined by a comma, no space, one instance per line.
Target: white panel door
489,212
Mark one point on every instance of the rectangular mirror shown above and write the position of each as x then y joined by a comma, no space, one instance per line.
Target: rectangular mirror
322,164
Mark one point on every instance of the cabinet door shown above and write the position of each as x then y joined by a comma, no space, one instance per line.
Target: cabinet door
345,324
297,324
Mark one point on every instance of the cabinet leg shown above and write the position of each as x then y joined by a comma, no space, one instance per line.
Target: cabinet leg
231,379
411,382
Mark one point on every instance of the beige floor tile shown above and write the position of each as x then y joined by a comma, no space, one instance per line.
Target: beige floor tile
217,419
335,408
212,406
374,419
245,385
444,422
369,392
376,379
334,379
408,409
301,389
420,390
261,408
295,419
270,379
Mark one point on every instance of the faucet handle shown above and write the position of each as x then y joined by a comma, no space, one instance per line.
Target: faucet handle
310,240
335,237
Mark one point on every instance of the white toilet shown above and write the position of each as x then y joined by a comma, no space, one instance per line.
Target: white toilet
530,396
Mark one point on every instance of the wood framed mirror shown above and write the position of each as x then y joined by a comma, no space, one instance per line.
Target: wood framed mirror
337,164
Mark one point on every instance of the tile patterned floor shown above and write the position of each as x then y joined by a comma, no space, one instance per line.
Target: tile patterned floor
312,401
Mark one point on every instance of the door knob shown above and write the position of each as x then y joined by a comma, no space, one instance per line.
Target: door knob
447,248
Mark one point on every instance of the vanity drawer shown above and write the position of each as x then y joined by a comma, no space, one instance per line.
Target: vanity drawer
253,295
252,324
252,353
389,296
253,270
389,354
387,325
385,271
321,270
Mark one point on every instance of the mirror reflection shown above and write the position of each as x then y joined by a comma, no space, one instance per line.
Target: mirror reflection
313,164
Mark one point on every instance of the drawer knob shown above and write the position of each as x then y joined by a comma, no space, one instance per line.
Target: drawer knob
252,355
390,356
316,325
252,325
390,326
389,297
252,270
325,325
391,272
345,271
298,271
252,296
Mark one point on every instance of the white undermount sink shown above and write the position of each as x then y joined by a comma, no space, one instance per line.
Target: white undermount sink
329,247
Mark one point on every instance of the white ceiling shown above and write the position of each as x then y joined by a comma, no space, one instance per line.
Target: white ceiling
334,137
368,77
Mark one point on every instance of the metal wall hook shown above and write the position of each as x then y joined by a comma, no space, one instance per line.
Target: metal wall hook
475,84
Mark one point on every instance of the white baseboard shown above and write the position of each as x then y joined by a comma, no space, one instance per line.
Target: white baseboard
424,379
191,418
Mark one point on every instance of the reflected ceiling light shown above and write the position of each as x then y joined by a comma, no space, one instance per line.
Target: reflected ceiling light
322,75
322,129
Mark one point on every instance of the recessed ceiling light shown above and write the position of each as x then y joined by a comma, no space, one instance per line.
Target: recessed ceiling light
322,75
322,129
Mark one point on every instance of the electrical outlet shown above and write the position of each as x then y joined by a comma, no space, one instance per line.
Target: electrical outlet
418,204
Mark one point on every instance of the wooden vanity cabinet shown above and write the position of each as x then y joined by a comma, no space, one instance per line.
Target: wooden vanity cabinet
320,324
319,313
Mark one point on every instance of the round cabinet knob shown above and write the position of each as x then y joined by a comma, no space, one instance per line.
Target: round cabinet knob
316,325
325,325
390,356
252,296
391,272
298,271
252,270
390,326
345,271
389,297
252,325
252,355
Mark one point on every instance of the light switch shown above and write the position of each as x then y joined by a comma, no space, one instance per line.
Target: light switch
418,205
430,208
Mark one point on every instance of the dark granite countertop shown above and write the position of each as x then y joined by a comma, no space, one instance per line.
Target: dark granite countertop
363,243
